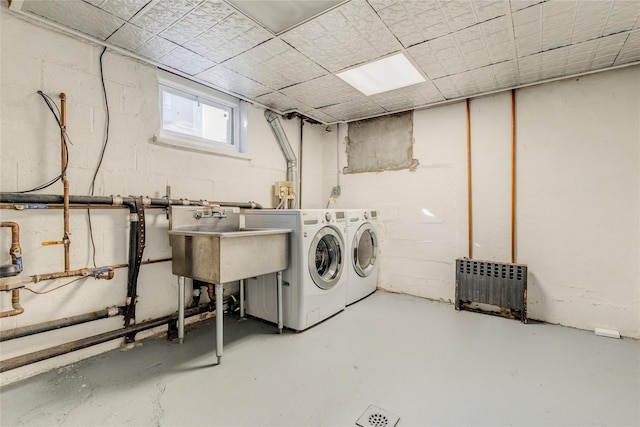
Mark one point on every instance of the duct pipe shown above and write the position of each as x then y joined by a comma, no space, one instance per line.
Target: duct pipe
285,146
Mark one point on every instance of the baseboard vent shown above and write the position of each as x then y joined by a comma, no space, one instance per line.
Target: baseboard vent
502,285
377,417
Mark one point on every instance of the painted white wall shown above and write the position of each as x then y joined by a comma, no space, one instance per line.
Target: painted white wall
35,58
578,190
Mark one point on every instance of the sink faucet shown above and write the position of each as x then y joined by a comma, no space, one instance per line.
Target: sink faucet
210,213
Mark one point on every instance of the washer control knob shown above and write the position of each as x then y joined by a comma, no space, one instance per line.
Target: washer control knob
328,216
366,215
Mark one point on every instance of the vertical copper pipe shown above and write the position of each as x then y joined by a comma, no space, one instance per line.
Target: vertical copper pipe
16,307
469,181
15,250
65,182
513,176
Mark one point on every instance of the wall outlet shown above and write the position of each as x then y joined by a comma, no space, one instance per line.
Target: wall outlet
335,191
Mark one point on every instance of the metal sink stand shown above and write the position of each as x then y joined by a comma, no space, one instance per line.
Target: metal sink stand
220,313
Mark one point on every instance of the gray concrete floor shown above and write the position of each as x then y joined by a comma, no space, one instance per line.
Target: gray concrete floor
418,359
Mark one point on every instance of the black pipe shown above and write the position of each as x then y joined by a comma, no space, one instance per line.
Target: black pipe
47,353
111,200
53,325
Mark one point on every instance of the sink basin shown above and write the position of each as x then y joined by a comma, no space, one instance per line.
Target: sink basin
218,256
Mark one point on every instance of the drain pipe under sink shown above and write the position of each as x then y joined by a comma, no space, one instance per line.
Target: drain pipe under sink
283,142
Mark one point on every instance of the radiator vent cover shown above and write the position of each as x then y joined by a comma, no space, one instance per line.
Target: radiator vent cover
502,285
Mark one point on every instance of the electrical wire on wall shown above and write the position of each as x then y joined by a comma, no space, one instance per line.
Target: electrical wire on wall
65,138
101,158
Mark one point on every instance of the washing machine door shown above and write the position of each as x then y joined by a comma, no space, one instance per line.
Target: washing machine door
365,250
326,258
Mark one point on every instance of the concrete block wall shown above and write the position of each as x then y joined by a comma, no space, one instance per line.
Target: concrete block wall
37,58
578,192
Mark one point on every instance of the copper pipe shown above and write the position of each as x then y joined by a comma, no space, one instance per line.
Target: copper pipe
469,181
150,261
88,272
15,249
15,303
513,176
65,182
21,207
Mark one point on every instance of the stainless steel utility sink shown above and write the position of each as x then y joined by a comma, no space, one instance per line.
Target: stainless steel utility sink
210,245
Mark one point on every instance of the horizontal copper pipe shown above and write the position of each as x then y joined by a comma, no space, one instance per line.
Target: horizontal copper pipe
149,261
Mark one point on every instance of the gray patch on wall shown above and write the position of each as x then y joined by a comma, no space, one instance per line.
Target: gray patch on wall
381,144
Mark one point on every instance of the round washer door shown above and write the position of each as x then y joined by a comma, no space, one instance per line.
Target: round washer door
365,250
326,258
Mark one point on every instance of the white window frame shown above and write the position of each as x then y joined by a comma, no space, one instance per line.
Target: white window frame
237,145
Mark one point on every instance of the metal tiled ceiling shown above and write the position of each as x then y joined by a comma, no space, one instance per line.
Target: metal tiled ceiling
462,47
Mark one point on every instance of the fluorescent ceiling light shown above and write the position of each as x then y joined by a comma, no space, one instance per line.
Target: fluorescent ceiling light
383,75
280,15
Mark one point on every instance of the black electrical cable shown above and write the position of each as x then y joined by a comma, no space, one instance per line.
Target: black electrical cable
65,140
104,148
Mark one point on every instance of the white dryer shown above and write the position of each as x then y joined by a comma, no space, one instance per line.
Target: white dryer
315,284
363,254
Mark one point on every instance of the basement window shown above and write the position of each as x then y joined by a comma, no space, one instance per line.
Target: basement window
197,118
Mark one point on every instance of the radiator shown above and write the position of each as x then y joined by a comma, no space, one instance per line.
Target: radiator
500,285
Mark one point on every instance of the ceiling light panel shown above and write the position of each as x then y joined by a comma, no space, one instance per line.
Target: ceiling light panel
323,91
76,15
382,75
281,15
229,80
345,36
124,9
275,64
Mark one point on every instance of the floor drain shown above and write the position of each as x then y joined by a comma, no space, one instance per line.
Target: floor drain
377,417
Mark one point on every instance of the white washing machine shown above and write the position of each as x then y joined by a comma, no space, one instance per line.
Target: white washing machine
315,284
362,246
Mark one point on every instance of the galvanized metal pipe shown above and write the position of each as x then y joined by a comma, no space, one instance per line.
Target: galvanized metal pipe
469,183
219,321
180,309
52,325
37,356
44,199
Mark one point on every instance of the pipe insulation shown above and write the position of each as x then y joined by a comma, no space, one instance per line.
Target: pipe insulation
289,155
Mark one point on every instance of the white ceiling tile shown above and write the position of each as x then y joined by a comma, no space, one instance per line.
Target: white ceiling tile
130,37
124,9
275,64
486,10
413,96
280,102
517,5
590,19
224,78
630,51
354,109
77,15
155,48
624,14
320,116
363,39
186,61
323,91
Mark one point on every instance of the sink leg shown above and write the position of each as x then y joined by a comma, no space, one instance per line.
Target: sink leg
219,316
279,292
242,299
180,309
